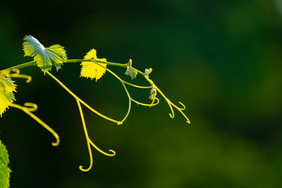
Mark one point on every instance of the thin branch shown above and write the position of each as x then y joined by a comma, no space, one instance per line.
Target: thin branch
81,101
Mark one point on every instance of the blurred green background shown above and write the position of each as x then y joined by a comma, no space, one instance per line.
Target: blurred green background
222,59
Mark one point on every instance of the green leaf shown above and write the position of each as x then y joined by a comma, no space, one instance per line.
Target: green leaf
4,169
7,87
130,71
45,58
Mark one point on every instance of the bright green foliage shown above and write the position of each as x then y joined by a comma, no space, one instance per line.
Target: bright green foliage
7,87
92,69
45,58
4,169
130,71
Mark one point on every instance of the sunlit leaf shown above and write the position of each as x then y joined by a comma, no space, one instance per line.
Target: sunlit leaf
7,87
90,69
45,58
4,169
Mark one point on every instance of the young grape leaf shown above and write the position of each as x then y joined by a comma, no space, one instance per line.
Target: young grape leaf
45,58
90,69
4,169
130,71
7,87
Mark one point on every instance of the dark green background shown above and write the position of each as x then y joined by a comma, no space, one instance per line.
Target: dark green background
222,59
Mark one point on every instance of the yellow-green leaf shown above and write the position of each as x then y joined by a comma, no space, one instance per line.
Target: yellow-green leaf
4,169
7,87
130,71
91,69
45,58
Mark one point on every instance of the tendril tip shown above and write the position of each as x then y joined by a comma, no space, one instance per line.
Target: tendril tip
56,143
84,170
113,153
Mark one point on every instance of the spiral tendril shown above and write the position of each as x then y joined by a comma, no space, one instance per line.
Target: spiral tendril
32,107
15,73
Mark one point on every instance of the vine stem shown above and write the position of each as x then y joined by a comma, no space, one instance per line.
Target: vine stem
20,66
32,63
95,60
170,104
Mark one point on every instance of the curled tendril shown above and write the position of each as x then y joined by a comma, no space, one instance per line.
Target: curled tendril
31,106
15,73
170,104
172,115
90,143
181,111
28,108
183,106
111,154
